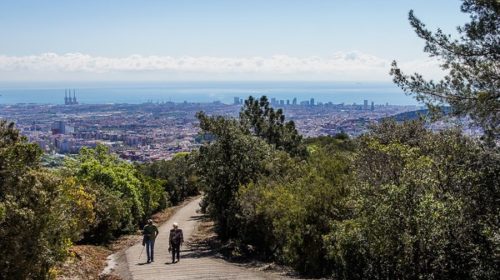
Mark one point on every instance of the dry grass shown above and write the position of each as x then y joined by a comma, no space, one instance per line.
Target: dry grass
85,262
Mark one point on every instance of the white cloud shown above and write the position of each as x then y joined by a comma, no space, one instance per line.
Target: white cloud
339,66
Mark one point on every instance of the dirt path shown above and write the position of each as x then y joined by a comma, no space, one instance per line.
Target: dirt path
192,264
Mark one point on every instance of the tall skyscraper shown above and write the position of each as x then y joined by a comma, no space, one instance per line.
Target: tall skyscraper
365,105
373,106
236,100
294,101
311,102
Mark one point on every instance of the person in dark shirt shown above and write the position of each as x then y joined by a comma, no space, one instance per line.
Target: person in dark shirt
175,241
149,233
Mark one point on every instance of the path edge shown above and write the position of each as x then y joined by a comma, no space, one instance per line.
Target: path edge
121,269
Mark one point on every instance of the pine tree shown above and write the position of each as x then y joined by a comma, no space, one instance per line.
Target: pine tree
472,62
261,120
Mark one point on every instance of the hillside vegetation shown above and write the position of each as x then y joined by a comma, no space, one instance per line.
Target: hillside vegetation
92,199
399,202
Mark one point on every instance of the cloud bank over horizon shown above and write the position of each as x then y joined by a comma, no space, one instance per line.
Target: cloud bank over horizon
341,66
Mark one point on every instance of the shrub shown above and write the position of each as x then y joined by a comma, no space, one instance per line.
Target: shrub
35,224
124,197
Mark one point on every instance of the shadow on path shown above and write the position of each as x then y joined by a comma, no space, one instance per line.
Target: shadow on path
197,218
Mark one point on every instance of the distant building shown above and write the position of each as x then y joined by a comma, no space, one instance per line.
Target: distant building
132,140
236,101
373,106
312,102
64,145
282,102
68,100
294,101
59,127
273,101
288,102
365,105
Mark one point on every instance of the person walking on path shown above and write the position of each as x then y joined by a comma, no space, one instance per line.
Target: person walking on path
175,241
149,233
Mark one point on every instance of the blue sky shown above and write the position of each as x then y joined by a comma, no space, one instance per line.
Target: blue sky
215,39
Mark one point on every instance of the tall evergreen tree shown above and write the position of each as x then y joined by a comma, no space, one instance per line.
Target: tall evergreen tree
233,159
472,63
260,119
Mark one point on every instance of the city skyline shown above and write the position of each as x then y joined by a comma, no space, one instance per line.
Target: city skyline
137,93
152,131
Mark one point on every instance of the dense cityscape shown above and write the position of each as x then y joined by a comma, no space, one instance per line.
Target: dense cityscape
153,131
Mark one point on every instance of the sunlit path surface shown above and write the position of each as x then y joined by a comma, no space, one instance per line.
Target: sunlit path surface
193,265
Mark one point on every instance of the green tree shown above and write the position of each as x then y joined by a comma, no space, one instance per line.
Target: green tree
425,207
233,159
289,211
36,225
124,198
472,62
263,121
178,176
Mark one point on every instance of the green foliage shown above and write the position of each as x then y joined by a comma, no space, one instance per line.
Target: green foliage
123,197
241,153
33,209
426,207
472,63
330,144
400,202
260,119
154,196
80,203
260,194
95,197
178,176
291,211
52,161
235,158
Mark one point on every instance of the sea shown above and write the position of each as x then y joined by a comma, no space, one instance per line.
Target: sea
201,92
